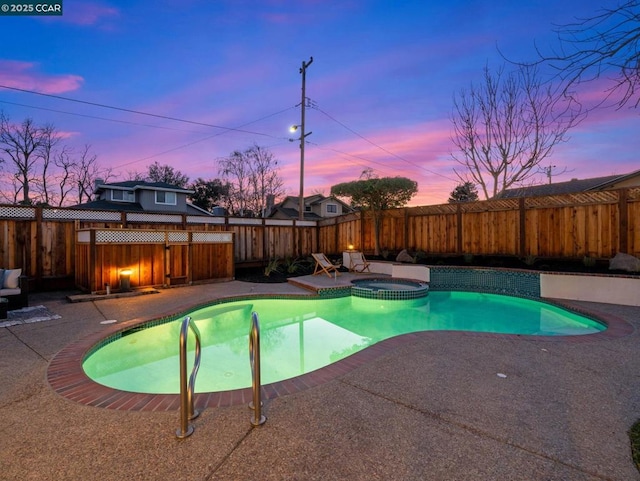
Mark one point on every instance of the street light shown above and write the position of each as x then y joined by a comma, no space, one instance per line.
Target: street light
294,128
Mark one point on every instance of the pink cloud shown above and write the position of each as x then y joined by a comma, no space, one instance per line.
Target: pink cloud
419,152
88,13
24,75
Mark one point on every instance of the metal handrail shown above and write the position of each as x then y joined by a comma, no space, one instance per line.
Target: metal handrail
187,412
254,359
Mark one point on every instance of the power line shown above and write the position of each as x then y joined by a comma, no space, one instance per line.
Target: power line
226,129
94,117
131,111
205,138
367,161
379,146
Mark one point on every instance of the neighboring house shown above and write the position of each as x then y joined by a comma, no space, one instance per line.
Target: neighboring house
316,207
140,196
574,186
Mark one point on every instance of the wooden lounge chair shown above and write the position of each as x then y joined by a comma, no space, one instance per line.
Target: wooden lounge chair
357,262
324,265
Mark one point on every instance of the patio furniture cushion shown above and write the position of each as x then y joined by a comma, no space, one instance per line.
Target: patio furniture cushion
11,279
14,287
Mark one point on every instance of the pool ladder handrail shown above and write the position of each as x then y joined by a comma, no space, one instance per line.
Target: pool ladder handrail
254,359
187,411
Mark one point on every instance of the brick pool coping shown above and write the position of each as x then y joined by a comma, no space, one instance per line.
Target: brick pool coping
67,378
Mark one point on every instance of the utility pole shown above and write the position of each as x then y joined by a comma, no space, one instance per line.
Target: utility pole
303,71
548,171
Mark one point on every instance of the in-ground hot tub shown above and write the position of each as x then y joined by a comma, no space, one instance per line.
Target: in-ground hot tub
389,289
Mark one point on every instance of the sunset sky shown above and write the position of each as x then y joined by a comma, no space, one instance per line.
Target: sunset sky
382,81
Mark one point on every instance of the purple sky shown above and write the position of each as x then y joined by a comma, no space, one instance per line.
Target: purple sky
383,78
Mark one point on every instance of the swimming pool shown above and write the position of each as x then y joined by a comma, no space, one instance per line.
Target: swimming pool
305,334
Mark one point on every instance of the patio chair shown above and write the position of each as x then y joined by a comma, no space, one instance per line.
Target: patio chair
357,262
324,265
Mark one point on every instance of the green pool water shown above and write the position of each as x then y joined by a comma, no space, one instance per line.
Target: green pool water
301,335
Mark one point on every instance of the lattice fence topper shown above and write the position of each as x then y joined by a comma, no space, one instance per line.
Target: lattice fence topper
129,237
633,194
177,237
200,219
133,236
279,222
18,212
212,237
161,218
582,198
78,214
84,236
247,221
432,209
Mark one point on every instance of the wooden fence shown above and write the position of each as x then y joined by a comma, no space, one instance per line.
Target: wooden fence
42,240
594,224
151,257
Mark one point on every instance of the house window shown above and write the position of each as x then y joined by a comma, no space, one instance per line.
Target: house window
123,195
166,198
332,209
307,208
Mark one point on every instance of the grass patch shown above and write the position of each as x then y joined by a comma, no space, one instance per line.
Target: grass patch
634,437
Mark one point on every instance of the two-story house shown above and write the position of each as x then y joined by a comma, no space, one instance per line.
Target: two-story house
141,196
316,207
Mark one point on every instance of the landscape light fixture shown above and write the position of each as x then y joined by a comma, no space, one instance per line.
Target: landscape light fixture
125,280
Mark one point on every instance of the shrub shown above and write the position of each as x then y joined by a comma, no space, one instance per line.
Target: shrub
293,264
271,267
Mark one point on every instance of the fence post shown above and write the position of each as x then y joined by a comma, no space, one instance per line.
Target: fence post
459,228
362,235
93,285
623,225
405,231
522,227
38,250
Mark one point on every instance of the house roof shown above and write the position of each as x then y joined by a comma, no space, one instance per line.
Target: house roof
313,200
139,184
108,205
293,213
570,187
133,207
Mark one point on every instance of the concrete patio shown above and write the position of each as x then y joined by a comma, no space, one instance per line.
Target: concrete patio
433,407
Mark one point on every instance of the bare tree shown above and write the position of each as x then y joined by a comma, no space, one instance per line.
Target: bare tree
252,175
85,171
506,126
21,147
135,175
606,44
42,177
11,195
264,177
235,171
